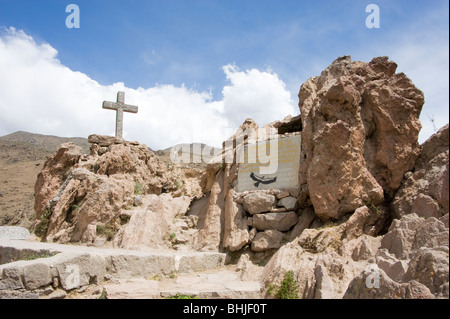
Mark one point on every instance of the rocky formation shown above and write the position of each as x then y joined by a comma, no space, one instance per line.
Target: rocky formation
89,198
425,189
361,166
368,218
360,127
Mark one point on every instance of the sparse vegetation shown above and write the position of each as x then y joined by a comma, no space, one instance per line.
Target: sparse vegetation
178,184
181,296
34,256
288,288
103,294
138,188
374,209
108,230
42,228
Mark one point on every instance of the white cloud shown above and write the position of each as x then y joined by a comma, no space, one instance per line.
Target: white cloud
254,94
38,94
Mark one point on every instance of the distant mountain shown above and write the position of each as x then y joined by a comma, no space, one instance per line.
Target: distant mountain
42,143
196,152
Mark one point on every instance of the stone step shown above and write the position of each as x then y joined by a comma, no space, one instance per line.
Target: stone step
223,283
76,266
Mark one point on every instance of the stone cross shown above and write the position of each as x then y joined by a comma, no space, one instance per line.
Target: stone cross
120,107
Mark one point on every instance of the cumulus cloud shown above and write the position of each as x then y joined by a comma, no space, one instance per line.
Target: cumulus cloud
39,94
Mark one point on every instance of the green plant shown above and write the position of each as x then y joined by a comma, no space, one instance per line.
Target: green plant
34,256
288,288
180,296
374,209
173,274
155,277
103,295
42,228
178,184
138,188
108,230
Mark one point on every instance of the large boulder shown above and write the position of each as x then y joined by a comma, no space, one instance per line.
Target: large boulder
360,127
258,202
425,189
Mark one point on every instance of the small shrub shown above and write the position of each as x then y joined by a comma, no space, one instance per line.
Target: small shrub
138,188
106,230
103,295
34,256
181,296
42,228
288,287
178,184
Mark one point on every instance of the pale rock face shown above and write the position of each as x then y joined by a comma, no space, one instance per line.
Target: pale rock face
236,233
268,239
425,192
412,232
151,226
258,202
290,203
79,193
360,127
388,288
276,221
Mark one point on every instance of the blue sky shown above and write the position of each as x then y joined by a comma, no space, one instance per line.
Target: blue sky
210,54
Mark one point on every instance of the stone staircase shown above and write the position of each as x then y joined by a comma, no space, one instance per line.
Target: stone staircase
37,270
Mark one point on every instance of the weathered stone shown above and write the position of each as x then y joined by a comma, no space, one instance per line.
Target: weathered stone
425,192
324,284
137,200
151,226
14,232
276,221
359,289
53,175
430,267
236,229
75,194
347,159
412,232
258,202
209,236
269,239
104,140
57,294
290,203
304,221
283,195
36,275
394,268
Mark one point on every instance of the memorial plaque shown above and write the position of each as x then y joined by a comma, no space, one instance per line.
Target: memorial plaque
267,166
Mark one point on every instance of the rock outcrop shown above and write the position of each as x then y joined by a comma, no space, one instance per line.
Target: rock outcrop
426,188
360,126
89,198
